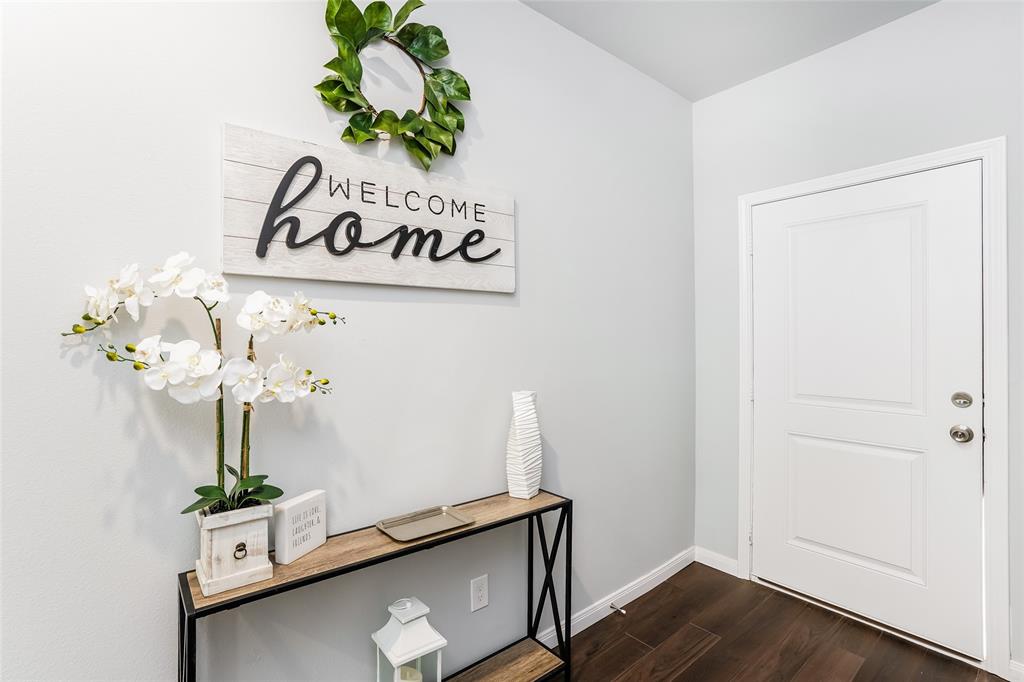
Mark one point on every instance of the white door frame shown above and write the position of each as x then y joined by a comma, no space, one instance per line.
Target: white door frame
992,154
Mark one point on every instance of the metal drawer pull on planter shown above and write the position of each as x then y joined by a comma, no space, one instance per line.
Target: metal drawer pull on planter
240,550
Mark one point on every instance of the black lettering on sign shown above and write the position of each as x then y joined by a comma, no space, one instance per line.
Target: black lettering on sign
275,220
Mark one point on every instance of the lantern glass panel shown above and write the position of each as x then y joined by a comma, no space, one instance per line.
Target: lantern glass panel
426,668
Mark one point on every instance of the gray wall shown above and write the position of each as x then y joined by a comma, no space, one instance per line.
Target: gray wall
111,141
946,75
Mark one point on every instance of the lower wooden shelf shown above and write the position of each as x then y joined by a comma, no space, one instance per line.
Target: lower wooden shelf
524,661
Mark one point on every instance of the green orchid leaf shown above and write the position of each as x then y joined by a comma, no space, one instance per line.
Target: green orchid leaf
411,122
405,11
247,483
346,64
232,470
429,44
436,133
408,33
417,152
201,503
347,21
214,492
386,122
378,15
264,492
455,85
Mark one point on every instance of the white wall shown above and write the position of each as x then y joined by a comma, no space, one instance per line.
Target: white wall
111,143
946,75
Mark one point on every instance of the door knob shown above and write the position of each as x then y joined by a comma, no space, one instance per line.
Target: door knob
961,433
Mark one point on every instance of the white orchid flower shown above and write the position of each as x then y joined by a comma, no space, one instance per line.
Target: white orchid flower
304,384
157,377
235,369
201,372
277,310
197,388
174,278
251,318
213,290
246,378
280,383
179,260
197,362
100,303
148,350
300,317
255,302
264,315
164,280
188,283
132,290
209,385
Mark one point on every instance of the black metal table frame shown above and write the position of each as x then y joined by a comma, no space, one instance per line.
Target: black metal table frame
188,614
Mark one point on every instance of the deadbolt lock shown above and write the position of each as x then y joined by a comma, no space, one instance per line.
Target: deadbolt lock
961,433
961,399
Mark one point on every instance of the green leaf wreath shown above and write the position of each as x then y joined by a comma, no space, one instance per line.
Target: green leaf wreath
424,136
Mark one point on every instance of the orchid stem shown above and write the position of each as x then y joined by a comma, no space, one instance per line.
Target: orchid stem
243,468
220,409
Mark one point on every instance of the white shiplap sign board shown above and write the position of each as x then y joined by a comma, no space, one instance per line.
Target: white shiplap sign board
298,201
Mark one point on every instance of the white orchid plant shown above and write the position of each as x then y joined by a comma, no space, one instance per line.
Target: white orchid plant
193,374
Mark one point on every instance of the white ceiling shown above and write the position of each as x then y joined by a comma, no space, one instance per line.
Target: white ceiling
699,47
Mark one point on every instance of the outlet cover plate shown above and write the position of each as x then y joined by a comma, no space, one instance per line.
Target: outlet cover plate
478,593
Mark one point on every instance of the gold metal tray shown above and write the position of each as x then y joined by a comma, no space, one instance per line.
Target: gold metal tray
409,527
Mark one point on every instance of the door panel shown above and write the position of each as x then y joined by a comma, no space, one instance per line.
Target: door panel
867,318
830,514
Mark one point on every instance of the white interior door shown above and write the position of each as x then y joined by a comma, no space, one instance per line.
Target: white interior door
867,320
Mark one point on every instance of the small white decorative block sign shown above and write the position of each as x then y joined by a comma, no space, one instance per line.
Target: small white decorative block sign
300,526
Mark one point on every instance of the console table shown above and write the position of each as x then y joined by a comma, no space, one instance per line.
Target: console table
524,659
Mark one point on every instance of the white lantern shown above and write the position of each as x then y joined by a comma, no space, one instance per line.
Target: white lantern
411,647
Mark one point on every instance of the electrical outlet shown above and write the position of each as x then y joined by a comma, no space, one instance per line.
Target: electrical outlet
478,593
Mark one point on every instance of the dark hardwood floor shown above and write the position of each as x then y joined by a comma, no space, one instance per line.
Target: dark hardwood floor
706,625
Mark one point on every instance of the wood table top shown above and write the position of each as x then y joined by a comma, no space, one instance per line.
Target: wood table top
356,549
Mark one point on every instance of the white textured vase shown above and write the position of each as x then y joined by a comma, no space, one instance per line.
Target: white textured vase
524,456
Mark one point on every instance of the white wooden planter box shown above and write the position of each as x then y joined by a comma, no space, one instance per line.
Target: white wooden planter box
233,548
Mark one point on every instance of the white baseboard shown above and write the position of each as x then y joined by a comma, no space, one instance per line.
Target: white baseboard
1016,671
583,619
716,560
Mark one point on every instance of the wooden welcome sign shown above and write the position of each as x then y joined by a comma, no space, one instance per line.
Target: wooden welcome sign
297,209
